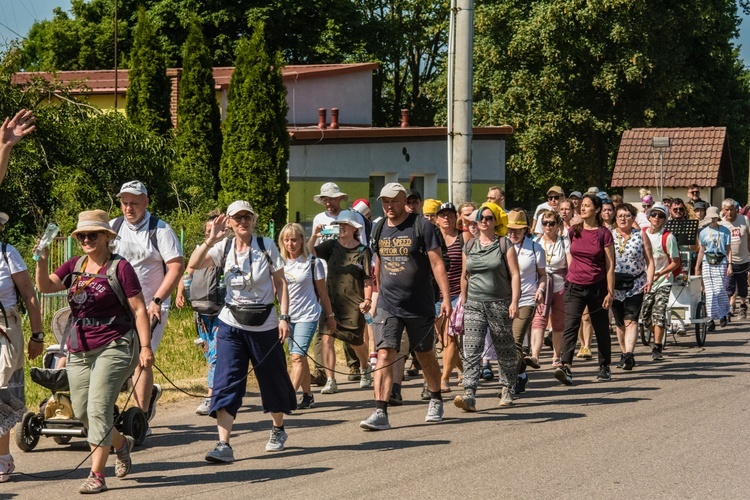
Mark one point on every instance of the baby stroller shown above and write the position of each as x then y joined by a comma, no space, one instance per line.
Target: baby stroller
55,417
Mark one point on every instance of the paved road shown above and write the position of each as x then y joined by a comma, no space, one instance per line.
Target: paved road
678,429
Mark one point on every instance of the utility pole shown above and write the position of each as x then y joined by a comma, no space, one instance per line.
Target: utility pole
460,188
116,55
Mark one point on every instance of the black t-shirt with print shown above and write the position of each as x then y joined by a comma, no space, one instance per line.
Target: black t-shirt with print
405,289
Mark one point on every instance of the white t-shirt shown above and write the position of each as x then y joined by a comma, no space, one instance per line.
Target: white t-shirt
660,258
530,258
326,218
134,244
15,265
739,229
641,219
244,286
303,301
556,258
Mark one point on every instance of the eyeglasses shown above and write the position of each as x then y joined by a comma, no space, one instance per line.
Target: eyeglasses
555,197
658,215
486,218
695,192
549,223
84,236
624,216
240,218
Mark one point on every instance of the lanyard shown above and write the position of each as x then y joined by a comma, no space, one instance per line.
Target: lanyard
249,277
80,288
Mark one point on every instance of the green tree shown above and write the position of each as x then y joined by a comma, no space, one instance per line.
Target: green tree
572,75
149,87
195,175
256,142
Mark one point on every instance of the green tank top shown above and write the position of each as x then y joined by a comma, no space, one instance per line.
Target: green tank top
488,272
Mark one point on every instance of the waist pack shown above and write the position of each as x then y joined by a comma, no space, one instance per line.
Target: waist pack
714,258
624,281
250,314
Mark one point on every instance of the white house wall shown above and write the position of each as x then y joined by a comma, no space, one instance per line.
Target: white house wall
350,92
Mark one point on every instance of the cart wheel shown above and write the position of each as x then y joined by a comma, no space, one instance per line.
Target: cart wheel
134,424
700,328
62,439
27,431
646,334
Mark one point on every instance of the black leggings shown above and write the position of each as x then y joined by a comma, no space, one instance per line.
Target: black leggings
577,297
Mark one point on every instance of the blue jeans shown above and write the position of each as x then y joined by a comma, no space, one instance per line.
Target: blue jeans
207,326
302,334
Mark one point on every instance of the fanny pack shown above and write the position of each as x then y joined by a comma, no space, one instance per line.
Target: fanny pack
714,258
250,314
624,281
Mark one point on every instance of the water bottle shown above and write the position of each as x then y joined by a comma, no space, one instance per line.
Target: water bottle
47,237
368,318
187,280
373,360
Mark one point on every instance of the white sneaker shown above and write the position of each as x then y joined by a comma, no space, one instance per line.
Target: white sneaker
331,387
434,411
204,408
365,379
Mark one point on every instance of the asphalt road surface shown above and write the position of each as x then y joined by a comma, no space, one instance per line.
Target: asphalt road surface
675,429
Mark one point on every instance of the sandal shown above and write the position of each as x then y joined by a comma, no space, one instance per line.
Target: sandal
532,361
556,363
94,484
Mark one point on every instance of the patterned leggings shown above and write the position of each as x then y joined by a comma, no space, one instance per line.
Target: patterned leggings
477,317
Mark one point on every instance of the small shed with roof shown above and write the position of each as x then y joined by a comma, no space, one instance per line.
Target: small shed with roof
692,155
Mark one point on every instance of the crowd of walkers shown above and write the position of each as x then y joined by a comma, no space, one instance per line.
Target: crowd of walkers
485,283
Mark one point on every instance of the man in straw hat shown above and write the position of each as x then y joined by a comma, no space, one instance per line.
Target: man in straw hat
152,248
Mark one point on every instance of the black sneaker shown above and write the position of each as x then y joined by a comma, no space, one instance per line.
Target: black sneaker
743,311
564,375
521,382
711,327
723,321
621,363
425,396
318,378
604,374
396,399
487,373
548,340
307,401
629,362
656,354
155,395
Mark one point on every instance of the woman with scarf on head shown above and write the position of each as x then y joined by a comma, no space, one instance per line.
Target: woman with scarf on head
490,289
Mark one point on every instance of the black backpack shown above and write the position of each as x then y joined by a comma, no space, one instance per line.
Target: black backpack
417,227
205,295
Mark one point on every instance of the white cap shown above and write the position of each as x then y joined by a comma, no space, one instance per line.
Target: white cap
133,187
239,206
391,190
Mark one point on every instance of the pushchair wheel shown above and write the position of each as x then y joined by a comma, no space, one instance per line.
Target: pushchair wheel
134,424
27,431
62,439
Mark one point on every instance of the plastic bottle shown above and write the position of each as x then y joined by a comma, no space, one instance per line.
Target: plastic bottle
222,288
368,318
373,360
187,280
47,237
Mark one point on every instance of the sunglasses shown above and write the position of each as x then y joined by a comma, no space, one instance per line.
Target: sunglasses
555,197
549,223
658,215
678,209
84,236
486,218
695,192
240,218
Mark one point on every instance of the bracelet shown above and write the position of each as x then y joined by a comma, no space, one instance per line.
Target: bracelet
332,315
36,340
368,300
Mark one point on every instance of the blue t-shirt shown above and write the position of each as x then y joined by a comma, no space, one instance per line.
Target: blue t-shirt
715,241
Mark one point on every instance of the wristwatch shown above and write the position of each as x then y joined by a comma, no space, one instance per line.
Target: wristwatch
284,317
156,300
37,336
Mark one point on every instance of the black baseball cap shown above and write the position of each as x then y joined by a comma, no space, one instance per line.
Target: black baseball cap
447,206
413,193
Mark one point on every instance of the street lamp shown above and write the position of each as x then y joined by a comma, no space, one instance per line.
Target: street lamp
661,143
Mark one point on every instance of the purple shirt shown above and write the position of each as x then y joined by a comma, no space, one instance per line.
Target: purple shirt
97,300
588,263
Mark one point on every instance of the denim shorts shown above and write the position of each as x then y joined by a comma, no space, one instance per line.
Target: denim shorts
302,334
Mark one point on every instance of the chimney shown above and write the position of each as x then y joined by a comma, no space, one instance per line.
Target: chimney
334,118
322,118
404,118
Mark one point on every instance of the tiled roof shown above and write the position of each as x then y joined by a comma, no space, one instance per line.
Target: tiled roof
696,155
103,81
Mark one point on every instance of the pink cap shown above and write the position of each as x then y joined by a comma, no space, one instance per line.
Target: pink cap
648,199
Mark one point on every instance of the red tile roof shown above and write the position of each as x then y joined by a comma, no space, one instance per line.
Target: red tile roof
698,155
103,81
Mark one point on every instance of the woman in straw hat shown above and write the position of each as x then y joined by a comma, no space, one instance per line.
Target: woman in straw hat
109,339
490,289
14,278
